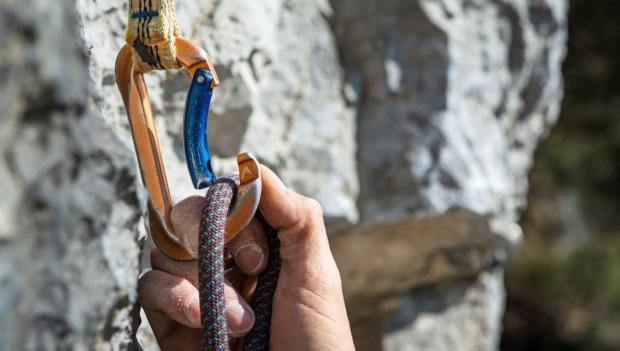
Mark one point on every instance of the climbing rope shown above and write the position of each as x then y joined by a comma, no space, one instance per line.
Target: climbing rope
211,265
211,274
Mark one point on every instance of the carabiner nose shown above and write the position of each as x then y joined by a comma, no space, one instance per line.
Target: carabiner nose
137,103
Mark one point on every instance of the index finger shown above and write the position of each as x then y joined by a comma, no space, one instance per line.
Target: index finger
298,219
249,248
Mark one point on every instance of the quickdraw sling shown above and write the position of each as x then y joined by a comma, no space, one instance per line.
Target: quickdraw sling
153,43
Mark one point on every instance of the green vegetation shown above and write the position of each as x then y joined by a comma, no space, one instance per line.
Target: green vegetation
579,295
564,289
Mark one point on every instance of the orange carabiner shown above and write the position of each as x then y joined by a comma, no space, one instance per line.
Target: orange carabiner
138,106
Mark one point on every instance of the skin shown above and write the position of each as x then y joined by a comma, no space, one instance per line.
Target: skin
308,307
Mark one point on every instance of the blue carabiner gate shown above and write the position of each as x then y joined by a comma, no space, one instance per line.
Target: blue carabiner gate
198,157
195,129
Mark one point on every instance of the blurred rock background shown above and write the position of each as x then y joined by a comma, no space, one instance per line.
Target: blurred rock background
414,123
564,288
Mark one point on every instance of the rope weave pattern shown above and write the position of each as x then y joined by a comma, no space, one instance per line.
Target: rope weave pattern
211,274
211,265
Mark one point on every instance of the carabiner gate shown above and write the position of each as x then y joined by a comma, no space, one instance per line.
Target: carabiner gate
137,103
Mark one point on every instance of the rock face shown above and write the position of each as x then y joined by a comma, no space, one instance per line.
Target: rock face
412,122
69,253
454,96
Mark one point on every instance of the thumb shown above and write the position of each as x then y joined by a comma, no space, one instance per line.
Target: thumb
298,219
185,218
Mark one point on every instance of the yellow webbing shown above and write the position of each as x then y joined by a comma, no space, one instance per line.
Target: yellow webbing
151,31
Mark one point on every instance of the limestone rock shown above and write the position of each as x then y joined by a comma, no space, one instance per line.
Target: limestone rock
463,315
69,244
454,98
456,95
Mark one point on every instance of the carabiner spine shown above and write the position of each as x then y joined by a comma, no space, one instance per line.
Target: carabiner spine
137,103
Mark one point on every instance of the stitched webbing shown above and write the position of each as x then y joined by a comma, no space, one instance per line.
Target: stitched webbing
211,274
151,31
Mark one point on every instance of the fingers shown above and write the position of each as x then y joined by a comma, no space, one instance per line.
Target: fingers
249,248
238,313
187,270
175,297
181,338
185,218
166,297
298,219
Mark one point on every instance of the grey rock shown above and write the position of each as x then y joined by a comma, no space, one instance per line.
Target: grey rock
455,96
69,246
462,315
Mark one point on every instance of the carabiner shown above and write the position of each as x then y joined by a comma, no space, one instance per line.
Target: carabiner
137,104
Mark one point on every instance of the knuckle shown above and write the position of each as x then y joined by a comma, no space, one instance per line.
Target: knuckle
313,207
159,260
145,284
155,255
251,234
321,279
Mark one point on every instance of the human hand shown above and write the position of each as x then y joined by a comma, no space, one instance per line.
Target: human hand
308,306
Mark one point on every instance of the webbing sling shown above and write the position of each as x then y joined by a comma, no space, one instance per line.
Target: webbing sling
151,31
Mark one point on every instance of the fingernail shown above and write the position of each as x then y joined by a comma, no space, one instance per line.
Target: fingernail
249,258
240,319
192,310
